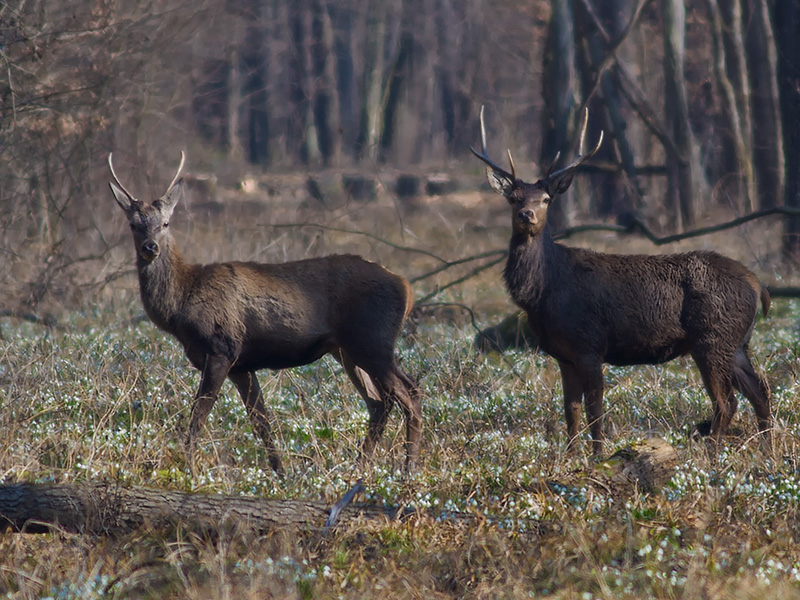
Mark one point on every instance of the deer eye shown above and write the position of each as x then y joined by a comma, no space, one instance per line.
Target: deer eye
166,224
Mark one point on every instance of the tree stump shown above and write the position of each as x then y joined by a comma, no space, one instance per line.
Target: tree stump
359,187
511,332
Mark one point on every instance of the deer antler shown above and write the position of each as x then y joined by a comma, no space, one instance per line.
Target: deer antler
485,157
178,174
581,156
117,181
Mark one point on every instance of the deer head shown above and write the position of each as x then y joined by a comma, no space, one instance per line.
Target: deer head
149,222
530,201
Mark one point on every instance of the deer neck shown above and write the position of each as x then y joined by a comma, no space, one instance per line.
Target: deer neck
528,265
163,283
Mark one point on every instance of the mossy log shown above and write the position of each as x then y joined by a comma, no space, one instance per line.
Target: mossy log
112,509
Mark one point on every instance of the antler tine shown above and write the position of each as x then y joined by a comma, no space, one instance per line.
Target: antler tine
511,162
483,132
178,174
485,157
582,136
553,164
116,179
581,156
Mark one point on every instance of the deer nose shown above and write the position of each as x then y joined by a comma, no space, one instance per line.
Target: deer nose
526,215
150,249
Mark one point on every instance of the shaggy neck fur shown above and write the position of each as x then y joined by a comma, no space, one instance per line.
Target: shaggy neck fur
163,283
527,266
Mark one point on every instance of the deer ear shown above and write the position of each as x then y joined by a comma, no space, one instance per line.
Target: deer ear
560,182
168,201
499,181
125,202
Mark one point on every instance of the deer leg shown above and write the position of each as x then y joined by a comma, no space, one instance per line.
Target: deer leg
592,379
247,384
214,372
573,392
381,388
719,385
377,408
754,388
409,397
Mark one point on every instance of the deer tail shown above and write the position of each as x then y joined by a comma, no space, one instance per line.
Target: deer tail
765,300
410,298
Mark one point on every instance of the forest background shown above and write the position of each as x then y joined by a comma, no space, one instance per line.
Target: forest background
700,102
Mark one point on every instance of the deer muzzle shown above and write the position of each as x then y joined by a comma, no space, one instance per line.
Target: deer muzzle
527,216
149,250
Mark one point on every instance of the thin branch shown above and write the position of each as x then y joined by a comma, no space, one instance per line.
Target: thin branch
634,95
461,261
469,275
362,233
611,54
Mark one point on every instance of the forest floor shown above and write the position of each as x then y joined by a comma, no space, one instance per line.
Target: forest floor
104,396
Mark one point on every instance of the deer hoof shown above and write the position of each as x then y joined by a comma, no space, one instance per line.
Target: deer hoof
702,429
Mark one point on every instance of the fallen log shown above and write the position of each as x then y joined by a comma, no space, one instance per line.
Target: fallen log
110,508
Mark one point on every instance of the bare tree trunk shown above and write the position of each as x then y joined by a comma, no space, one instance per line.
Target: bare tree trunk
680,194
787,33
372,103
234,142
610,193
731,72
255,130
397,82
765,104
420,101
327,108
304,87
456,69
558,92
286,135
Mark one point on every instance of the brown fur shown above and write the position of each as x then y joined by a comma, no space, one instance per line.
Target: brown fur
236,318
588,308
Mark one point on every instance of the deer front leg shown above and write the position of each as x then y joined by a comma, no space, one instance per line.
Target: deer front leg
592,376
573,392
718,381
215,370
249,390
585,379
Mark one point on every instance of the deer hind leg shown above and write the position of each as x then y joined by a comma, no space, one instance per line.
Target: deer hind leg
381,387
754,388
409,397
247,384
213,375
378,409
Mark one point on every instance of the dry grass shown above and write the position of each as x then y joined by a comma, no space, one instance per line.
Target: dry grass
102,398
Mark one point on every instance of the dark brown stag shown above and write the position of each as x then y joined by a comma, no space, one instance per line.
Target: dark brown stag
588,308
236,318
